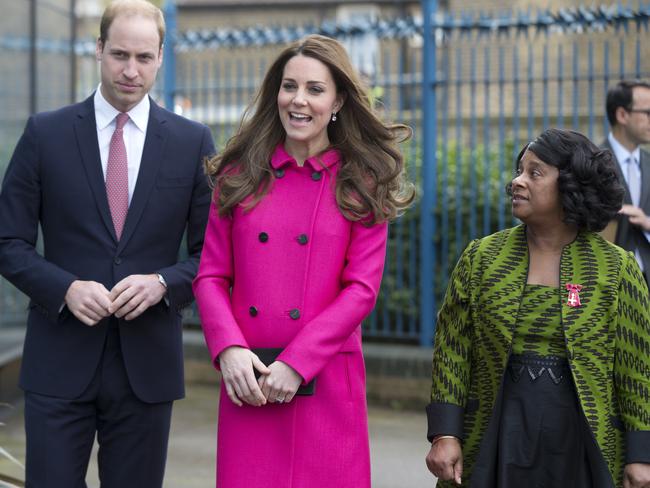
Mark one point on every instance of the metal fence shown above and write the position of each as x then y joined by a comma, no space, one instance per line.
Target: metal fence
35,74
473,87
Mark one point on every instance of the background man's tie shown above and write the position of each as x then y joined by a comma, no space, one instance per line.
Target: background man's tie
117,176
634,180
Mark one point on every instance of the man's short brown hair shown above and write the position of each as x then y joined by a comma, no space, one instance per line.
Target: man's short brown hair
129,8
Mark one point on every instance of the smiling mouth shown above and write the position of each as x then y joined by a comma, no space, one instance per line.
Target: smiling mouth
518,198
299,117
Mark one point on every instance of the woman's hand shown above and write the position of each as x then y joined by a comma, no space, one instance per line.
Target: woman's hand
237,365
445,459
636,475
281,384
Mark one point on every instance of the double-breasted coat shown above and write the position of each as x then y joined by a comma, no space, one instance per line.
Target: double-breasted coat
294,273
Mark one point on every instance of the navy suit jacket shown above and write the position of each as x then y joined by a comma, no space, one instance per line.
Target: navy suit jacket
55,178
629,236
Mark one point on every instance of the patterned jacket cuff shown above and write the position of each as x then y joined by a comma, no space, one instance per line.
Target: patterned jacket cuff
444,419
637,446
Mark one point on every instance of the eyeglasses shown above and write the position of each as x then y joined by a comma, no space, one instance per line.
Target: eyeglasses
640,111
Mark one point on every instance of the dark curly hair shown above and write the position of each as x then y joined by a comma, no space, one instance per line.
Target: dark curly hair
590,191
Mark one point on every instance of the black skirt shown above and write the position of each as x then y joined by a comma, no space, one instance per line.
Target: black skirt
537,436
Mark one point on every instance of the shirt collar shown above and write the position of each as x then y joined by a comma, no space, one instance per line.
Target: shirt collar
318,162
621,153
105,113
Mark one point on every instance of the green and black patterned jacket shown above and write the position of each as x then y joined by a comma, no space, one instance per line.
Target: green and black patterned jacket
607,342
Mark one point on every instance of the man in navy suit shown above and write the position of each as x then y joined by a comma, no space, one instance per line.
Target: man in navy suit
628,113
115,182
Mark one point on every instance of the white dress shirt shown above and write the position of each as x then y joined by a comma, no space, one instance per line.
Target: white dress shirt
134,134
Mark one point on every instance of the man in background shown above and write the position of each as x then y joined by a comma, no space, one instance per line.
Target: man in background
628,112
114,183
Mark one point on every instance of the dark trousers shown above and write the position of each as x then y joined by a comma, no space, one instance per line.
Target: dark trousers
132,435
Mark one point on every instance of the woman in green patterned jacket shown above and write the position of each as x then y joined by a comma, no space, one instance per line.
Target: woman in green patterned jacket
541,364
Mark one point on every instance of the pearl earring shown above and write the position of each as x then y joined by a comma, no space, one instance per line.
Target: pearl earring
333,116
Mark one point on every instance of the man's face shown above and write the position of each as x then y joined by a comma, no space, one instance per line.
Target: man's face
129,60
636,121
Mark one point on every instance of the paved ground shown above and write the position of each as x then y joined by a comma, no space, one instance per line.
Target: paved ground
396,440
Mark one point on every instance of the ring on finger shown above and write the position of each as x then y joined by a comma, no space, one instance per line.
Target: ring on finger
279,400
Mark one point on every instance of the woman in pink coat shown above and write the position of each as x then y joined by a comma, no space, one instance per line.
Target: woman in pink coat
292,263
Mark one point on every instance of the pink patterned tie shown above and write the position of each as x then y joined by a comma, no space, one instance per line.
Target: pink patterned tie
117,176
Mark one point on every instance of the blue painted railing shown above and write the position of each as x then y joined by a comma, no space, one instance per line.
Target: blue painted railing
474,88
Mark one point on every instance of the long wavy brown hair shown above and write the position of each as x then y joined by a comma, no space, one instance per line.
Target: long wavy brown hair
370,185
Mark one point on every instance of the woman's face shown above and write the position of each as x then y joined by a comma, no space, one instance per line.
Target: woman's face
306,101
535,193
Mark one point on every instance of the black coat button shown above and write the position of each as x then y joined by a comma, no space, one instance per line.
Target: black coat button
117,260
253,311
279,173
263,237
316,175
294,313
302,239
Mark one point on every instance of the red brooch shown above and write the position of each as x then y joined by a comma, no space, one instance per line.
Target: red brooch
574,295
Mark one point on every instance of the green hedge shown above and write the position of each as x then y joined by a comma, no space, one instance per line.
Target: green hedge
466,170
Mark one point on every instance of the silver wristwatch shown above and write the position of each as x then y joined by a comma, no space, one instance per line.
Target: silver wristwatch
161,280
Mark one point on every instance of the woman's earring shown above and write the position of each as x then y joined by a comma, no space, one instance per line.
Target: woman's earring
333,116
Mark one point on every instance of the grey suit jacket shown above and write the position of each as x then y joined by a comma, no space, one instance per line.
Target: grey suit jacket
629,236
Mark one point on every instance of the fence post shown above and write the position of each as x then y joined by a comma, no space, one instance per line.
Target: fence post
429,173
33,53
73,51
169,54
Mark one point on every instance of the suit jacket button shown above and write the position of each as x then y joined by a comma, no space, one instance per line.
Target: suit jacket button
279,173
117,260
263,237
316,175
294,313
253,311
302,239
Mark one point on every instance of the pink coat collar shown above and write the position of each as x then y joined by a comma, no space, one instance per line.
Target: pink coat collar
318,162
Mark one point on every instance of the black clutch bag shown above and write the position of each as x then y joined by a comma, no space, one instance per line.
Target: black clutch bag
268,355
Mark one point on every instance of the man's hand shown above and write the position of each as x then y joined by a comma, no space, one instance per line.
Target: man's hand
636,475
281,384
89,301
445,460
636,216
237,365
135,294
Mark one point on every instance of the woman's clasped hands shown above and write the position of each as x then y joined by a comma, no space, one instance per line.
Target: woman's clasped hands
278,382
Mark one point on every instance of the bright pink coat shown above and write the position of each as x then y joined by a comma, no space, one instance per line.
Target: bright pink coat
294,273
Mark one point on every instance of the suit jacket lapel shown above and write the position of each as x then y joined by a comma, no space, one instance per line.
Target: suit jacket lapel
619,173
152,154
645,179
86,132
